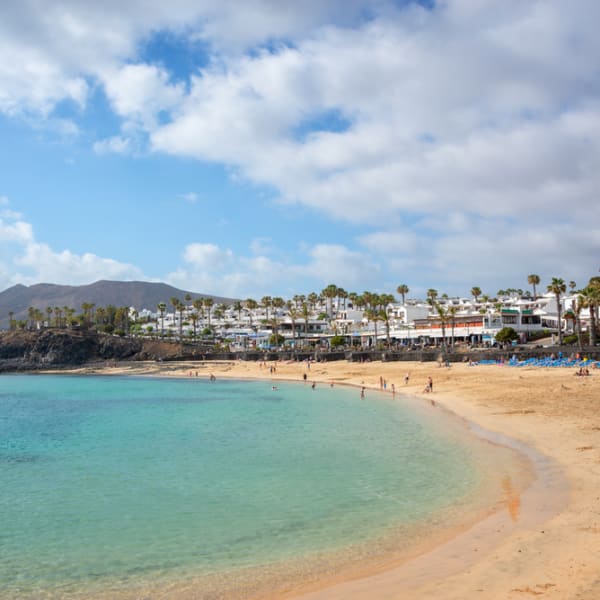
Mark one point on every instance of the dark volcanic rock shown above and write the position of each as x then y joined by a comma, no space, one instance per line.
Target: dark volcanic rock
63,348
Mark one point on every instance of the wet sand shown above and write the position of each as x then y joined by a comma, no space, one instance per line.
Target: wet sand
544,542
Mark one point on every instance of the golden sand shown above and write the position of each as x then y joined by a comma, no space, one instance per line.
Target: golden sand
545,543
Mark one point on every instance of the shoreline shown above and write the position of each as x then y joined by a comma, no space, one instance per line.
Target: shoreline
556,554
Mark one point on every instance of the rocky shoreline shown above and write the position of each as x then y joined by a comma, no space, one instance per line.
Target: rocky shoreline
66,348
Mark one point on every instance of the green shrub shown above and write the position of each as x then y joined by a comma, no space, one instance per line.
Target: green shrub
507,334
337,341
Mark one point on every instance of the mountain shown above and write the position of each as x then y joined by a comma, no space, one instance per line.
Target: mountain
138,294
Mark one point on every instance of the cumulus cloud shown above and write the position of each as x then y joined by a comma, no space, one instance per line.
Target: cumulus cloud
213,269
113,145
27,261
444,132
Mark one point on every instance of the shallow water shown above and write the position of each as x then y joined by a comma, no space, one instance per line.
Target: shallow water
128,483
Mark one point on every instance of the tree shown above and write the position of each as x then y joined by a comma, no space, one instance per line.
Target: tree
578,305
293,312
506,334
329,293
237,306
386,299
402,289
266,302
88,313
162,307
476,292
194,318
305,314
590,298
250,305
432,294
198,311
443,316
208,304
452,312
533,280
558,287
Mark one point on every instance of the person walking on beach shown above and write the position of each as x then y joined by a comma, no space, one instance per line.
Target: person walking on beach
406,378
429,384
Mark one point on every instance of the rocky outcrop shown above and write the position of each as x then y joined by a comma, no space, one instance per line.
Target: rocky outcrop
30,350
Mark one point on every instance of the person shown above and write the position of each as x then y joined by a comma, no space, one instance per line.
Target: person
393,390
406,378
314,385
429,384
362,392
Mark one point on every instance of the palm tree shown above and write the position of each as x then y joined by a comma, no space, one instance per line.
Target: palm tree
88,312
452,312
237,306
305,315
266,302
278,302
329,293
162,307
293,312
386,299
198,305
578,305
250,305
476,292
178,306
533,280
558,287
313,298
402,289
194,319
353,297
590,297
208,304
443,315
432,294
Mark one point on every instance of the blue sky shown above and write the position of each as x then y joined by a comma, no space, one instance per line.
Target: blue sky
245,149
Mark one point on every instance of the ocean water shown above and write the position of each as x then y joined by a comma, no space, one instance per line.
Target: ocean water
120,483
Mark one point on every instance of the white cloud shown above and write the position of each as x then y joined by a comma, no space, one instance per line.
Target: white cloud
138,93
68,267
17,231
212,269
28,261
456,128
189,197
113,145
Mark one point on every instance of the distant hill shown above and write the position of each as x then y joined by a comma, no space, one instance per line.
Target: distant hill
139,294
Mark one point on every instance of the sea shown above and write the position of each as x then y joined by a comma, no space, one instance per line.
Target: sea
133,487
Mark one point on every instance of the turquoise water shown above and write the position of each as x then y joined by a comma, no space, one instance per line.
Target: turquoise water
115,481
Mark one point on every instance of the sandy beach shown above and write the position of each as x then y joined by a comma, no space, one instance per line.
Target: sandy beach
545,542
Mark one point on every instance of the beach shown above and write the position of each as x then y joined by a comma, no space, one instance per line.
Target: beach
544,541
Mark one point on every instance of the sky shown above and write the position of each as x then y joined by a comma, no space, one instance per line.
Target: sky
273,147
